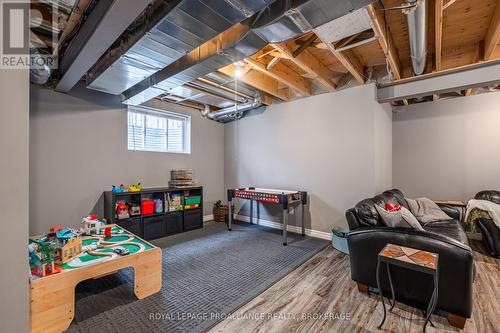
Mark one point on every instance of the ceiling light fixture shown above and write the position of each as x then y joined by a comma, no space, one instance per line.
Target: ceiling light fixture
239,69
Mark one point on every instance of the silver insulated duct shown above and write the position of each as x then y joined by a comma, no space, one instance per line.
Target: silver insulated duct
163,33
279,22
234,112
417,29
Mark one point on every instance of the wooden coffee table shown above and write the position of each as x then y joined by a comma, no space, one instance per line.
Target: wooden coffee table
413,259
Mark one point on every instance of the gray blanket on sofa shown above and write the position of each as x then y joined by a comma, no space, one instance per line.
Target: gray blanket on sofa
426,210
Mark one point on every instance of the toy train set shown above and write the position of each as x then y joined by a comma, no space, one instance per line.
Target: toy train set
67,248
64,257
285,198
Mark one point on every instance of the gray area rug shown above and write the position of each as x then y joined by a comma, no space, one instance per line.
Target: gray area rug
207,273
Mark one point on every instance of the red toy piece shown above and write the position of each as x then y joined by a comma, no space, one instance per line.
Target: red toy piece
107,232
56,228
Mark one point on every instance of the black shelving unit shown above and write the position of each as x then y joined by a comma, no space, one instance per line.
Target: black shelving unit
152,226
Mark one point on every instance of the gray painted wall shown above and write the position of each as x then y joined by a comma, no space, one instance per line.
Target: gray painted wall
14,200
336,146
79,149
449,148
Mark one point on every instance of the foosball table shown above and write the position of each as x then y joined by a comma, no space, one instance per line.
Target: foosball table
283,198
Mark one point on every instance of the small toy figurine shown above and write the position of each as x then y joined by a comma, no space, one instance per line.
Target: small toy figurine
91,225
124,188
134,208
120,250
138,186
115,189
107,232
122,210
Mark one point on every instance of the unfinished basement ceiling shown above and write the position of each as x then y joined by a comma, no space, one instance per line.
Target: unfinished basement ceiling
147,62
163,34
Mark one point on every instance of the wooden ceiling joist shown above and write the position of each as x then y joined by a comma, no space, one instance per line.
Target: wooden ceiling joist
386,41
284,75
307,62
349,60
493,35
259,81
439,33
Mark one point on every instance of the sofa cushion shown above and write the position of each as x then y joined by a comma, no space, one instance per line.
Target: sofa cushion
401,218
450,228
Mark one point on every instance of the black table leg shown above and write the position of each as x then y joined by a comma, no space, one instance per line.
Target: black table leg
392,286
380,292
432,301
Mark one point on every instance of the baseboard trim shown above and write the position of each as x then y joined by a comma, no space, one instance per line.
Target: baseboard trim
291,228
207,218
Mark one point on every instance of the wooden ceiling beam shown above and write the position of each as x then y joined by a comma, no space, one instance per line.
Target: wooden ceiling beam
309,64
304,46
284,75
493,35
349,60
439,33
386,41
259,81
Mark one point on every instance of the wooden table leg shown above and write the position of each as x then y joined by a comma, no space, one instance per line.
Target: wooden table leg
148,274
52,298
52,305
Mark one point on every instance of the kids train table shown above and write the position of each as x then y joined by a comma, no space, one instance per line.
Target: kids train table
52,298
284,198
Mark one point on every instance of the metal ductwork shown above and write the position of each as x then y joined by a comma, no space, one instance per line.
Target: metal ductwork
234,112
165,32
417,29
278,23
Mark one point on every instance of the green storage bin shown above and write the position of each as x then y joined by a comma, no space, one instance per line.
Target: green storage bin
192,200
339,239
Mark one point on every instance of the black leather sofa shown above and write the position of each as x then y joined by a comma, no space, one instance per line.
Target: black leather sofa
489,230
368,235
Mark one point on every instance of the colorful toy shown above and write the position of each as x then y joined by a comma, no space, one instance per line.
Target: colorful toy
71,249
116,189
56,228
158,206
134,208
123,188
64,234
41,255
92,225
122,210
120,250
107,232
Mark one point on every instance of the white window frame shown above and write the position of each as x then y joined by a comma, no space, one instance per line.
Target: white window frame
186,144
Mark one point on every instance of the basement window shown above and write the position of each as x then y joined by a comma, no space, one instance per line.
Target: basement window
158,131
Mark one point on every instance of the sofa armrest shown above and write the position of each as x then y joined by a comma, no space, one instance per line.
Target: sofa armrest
452,211
455,266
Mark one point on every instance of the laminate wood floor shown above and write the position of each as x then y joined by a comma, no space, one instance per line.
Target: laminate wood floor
323,285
